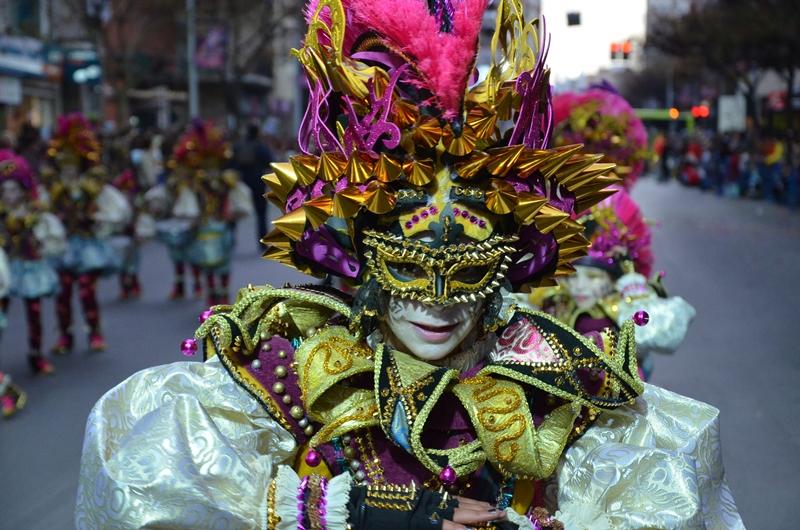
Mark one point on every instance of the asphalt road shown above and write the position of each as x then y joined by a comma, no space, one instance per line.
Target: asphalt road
736,261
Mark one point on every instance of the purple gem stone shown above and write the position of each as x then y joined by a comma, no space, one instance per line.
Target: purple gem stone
189,347
313,458
424,214
434,210
448,476
415,219
409,224
456,211
473,219
482,223
205,315
641,318
464,214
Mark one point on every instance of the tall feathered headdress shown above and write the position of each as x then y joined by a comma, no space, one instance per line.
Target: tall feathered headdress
202,146
16,168
415,173
618,233
74,141
604,122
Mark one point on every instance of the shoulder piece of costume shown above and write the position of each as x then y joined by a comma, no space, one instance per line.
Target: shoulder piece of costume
293,350
256,339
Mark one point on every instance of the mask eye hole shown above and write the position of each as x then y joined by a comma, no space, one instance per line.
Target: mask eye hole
471,275
407,271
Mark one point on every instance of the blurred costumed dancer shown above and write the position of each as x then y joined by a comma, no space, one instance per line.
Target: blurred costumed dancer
320,411
33,238
613,284
175,207
127,243
222,199
604,122
12,398
91,212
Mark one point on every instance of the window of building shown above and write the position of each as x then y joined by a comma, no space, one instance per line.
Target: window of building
573,19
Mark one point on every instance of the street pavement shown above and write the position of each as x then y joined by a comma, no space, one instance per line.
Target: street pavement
737,261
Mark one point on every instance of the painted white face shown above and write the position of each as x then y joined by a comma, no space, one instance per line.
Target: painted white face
431,332
588,285
12,193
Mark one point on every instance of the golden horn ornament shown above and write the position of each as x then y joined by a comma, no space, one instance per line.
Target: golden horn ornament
502,199
427,133
548,218
306,168
503,158
347,202
419,172
378,199
292,224
473,165
318,210
331,166
359,168
388,169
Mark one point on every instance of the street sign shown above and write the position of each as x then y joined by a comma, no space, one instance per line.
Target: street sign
731,113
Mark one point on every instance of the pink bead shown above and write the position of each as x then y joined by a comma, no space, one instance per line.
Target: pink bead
313,458
189,347
448,476
641,318
205,315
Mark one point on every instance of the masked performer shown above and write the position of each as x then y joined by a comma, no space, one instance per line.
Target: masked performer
614,284
426,401
12,398
222,199
604,122
140,228
91,211
175,207
33,237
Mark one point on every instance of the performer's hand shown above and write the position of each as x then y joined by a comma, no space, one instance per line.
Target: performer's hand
471,513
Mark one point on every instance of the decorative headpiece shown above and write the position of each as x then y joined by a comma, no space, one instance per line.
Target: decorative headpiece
202,146
74,141
16,168
411,172
604,122
618,233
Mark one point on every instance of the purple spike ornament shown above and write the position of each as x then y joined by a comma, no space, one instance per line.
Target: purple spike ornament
641,318
448,476
189,347
313,458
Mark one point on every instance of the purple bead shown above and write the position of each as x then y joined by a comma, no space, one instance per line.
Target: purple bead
464,214
482,223
641,318
205,315
189,347
409,224
313,458
424,214
448,476
473,219
434,210
456,211
415,219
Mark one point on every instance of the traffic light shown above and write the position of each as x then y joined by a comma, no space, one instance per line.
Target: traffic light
627,48
701,111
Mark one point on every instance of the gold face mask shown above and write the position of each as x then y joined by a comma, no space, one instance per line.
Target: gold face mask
453,273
